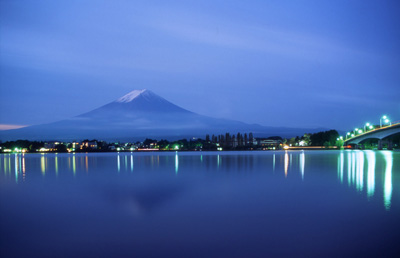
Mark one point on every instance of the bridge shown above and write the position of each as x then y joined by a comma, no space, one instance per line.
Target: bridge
381,133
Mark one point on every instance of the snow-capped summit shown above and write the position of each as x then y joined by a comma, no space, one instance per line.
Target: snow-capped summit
131,96
136,103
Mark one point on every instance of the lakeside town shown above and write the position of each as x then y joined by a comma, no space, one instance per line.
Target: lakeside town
220,142
327,139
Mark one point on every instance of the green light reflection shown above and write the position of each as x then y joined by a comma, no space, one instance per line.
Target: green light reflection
371,173
131,163
73,164
349,168
362,165
118,163
176,162
16,168
353,167
341,166
387,191
360,171
126,162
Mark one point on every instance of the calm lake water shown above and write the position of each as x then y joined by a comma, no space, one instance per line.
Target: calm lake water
201,204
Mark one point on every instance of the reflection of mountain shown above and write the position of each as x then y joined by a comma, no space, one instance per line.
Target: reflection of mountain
367,171
141,200
137,115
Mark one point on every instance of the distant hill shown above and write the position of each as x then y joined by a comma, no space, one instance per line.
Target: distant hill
140,114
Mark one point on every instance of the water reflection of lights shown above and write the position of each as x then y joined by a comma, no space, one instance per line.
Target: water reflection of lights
56,164
286,163
341,166
131,163
273,163
371,173
74,164
302,164
361,167
349,166
118,162
353,167
23,167
176,162
16,167
360,171
387,195
360,161
43,164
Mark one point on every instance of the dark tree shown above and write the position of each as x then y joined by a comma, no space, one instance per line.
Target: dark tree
61,148
327,138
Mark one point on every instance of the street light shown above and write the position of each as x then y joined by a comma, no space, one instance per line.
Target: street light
360,131
347,135
387,121
365,126
384,118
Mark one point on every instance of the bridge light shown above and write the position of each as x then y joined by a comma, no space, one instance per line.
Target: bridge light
371,127
366,126
384,118
348,133
386,121
341,137
352,135
360,131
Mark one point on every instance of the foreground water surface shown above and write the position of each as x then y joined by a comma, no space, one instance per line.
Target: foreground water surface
200,204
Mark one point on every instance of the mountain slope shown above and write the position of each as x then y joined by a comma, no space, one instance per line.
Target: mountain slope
136,115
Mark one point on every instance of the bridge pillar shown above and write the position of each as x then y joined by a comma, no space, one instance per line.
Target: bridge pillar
390,145
380,144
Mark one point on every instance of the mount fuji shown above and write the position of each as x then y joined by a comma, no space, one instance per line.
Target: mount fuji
137,115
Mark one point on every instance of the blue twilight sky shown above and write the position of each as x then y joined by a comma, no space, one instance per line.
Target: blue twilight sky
316,63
